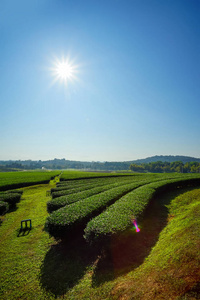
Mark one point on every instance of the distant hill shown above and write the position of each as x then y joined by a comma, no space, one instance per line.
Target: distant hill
96,166
166,158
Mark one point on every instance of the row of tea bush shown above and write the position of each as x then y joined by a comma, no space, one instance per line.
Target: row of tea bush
8,200
107,209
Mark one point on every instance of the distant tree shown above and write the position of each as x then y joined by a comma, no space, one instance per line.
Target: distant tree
136,168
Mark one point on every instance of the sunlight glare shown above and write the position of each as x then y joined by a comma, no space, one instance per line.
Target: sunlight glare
64,70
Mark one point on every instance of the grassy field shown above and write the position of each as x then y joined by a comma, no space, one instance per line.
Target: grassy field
172,269
162,261
22,253
13,180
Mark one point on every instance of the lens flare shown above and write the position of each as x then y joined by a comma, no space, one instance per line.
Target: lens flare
137,229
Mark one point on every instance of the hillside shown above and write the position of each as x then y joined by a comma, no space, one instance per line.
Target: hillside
167,158
160,261
70,164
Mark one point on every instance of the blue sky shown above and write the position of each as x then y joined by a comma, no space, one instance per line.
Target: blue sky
137,88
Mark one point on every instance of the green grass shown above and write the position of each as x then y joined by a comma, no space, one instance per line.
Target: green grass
13,180
70,213
172,270
117,217
22,255
35,266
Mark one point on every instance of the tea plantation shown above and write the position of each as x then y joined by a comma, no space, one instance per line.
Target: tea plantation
104,207
83,243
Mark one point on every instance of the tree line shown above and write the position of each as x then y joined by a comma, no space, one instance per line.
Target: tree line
159,166
167,167
59,164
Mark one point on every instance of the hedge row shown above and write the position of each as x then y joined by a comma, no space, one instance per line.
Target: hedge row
12,192
3,207
82,182
76,175
63,221
69,187
67,191
14,180
59,202
90,185
117,217
67,219
9,199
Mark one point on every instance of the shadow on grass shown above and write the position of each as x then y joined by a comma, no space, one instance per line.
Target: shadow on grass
128,251
13,208
67,261
65,264
193,293
23,232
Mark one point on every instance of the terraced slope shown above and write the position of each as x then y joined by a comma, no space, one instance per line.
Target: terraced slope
104,209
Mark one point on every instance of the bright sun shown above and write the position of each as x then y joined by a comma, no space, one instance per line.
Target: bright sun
64,70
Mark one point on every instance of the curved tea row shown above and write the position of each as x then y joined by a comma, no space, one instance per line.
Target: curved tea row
107,209
8,200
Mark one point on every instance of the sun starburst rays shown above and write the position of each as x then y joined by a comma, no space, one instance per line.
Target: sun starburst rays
64,70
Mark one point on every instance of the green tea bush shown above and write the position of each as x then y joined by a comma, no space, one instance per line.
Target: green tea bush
13,192
59,202
76,175
76,212
118,216
91,185
10,198
83,182
64,192
68,218
69,189
13,180
4,206
61,188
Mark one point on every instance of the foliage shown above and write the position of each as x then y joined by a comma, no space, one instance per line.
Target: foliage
63,164
22,253
73,187
173,267
167,167
4,206
35,266
10,198
68,218
12,191
118,216
66,175
13,180
85,191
